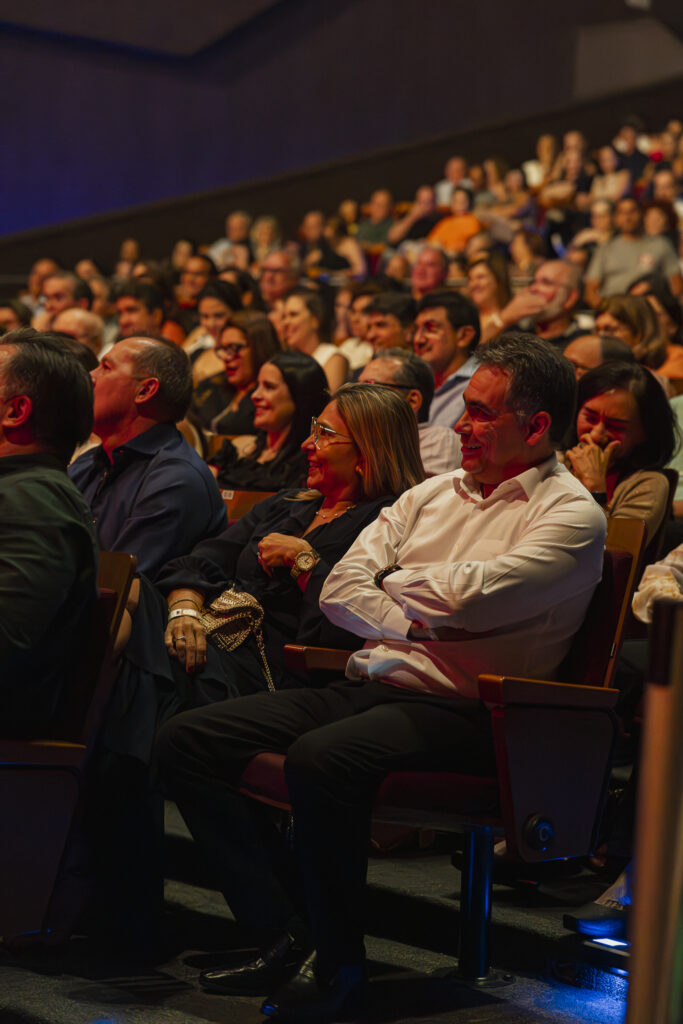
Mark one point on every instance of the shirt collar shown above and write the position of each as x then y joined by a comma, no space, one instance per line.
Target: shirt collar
463,372
150,441
523,485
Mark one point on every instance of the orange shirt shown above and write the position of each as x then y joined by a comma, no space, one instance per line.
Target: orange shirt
452,233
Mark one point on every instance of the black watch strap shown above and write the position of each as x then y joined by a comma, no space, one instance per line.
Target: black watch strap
383,573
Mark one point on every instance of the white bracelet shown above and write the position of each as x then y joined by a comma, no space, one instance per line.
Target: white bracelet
178,612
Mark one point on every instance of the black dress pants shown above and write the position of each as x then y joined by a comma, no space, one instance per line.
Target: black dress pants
339,742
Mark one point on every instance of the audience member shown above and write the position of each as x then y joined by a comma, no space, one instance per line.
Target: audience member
429,273
37,275
390,321
223,403
511,517
374,229
420,219
591,350
13,314
624,257
194,277
453,232
234,249
632,319
488,286
140,310
306,328
83,325
446,336
624,436
547,305
47,539
216,305
279,275
455,176
150,493
413,378
61,290
291,389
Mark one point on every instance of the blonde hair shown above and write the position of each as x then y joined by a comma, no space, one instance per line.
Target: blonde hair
384,429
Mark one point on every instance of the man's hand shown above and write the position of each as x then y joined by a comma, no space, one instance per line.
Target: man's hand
277,549
524,303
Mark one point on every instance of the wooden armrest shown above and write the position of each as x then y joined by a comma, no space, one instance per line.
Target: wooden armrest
514,690
308,659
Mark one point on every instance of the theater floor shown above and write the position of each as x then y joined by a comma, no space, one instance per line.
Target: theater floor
412,915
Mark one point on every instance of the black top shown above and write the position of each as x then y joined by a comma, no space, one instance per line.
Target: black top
152,686
289,468
48,573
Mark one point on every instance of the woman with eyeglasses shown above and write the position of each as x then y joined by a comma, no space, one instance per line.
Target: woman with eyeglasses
362,452
222,402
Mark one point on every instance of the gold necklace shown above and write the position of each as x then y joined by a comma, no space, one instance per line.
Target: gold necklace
333,515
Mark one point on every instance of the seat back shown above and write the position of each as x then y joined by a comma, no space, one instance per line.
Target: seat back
238,503
84,699
592,657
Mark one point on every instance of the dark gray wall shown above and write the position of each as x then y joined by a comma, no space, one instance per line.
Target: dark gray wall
90,127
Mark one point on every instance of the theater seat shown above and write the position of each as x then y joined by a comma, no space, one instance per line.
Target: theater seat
41,780
553,745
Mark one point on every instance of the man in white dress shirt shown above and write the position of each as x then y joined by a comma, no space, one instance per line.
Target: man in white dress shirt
485,569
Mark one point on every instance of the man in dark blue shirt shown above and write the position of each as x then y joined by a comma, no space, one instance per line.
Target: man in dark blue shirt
150,493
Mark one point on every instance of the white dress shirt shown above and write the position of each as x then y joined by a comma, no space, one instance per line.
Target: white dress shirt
522,563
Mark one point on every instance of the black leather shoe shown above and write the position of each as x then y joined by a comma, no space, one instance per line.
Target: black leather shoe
306,998
257,977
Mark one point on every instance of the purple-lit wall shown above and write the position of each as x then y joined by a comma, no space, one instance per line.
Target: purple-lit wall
89,127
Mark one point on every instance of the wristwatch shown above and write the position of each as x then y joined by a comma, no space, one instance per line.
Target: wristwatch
304,562
380,576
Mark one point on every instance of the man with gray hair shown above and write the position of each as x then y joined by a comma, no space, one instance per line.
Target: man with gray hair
150,492
546,306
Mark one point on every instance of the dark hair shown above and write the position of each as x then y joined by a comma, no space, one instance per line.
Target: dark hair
225,292
656,415
467,192
660,289
460,310
80,289
60,389
167,362
307,385
394,304
636,313
615,348
260,334
213,270
85,355
247,285
143,292
541,380
318,308
413,373
20,310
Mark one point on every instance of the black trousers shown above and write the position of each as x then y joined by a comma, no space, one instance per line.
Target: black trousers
340,742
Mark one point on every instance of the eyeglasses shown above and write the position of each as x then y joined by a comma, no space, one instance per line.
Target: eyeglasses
230,351
319,433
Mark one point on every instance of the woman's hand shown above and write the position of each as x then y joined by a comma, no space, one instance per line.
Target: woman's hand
184,637
589,462
185,640
277,549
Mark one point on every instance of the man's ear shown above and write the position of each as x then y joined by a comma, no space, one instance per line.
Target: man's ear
537,427
149,387
571,300
18,412
414,400
465,336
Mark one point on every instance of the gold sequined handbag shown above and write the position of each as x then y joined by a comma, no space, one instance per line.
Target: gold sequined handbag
231,619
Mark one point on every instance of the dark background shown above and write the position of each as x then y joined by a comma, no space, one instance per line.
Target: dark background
176,104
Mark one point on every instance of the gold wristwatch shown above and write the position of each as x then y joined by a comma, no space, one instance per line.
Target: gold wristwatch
304,562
